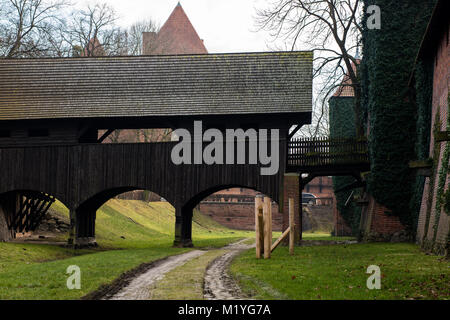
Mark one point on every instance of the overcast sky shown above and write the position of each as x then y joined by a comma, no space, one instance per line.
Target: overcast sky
224,25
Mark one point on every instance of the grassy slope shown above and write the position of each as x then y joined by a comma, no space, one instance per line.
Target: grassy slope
339,272
30,271
151,224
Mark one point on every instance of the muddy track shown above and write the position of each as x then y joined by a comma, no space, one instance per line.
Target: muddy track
218,284
135,284
139,287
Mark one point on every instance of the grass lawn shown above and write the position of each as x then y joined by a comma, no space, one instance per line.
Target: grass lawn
129,233
339,272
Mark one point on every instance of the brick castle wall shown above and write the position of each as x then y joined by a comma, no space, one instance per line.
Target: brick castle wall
235,207
340,226
434,235
382,222
236,215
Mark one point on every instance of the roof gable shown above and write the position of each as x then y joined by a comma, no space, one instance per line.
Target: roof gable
178,36
346,89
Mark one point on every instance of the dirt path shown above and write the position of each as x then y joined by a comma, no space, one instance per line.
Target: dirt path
139,287
219,285
217,282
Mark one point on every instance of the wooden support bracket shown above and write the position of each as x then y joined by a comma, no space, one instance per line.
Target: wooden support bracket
281,238
442,136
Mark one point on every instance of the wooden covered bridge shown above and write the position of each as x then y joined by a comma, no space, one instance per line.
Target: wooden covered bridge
51,112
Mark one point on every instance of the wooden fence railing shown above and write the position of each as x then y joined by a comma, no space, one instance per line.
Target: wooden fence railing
312,152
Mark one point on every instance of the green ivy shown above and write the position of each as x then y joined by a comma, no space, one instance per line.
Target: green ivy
442,178
446,202
432,183
342,125
393,119
424,98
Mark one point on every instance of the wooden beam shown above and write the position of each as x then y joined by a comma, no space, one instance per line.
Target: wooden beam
300,208
281,238
105,135
259,223
422,167
421,164
425,172
297,127
270,220
291,226
267,223
442,136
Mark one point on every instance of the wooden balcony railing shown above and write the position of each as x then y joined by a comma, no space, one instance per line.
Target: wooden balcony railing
319,152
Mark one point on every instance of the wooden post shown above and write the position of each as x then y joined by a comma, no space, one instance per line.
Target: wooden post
267,227
300,208
291,226
270,221
259,224
261,228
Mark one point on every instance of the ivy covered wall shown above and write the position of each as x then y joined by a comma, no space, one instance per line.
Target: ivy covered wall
388,59
424,96
342,125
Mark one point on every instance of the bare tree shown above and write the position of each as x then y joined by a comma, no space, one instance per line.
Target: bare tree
155,135
135,38
94,31
331,28
28,28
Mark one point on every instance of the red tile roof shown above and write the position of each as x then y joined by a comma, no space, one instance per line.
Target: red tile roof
178,36
93,49
345,89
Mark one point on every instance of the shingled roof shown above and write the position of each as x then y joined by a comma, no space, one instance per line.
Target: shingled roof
213,84
177,36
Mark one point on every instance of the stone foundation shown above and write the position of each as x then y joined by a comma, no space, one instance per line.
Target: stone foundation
87,242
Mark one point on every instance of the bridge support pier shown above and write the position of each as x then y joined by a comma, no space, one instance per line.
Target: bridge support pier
6,234
183,228
82,231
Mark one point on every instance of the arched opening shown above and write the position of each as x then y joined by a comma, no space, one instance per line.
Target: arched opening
124,217
29,215
234,208
227,207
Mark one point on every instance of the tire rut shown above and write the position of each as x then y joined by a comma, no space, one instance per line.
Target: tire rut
218,284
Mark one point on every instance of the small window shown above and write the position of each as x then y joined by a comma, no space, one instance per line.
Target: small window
5,134
38,133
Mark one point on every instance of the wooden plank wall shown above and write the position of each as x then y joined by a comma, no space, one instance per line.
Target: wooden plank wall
75,174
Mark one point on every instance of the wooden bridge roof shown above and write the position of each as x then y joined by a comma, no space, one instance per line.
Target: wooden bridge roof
102,87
